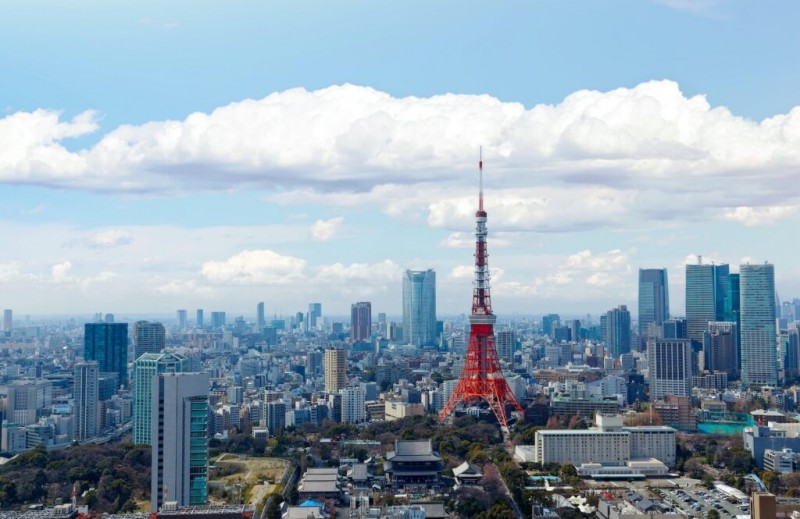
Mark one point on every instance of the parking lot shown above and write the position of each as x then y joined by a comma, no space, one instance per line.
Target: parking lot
698,502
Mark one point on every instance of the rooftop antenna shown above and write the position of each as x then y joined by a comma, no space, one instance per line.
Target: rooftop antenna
480,167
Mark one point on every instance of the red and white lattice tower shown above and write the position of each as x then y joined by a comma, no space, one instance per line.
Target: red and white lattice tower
482,379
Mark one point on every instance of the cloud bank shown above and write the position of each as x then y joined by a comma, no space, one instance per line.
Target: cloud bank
596,159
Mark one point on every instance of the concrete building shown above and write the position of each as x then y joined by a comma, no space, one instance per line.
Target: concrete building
86,396
669,367
354,409
180,439
609,443
335,370
398,410
148,338
360,322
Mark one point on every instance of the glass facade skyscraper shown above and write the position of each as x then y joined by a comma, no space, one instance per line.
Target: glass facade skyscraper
419,307
759,365
107,343
147,366
653,299
707,291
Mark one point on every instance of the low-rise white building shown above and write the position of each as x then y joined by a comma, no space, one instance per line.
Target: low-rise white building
609,443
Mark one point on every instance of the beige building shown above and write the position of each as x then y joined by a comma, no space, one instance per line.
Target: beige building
398,410
763,506
335,370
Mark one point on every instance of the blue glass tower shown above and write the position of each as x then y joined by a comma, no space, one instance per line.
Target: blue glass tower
107,343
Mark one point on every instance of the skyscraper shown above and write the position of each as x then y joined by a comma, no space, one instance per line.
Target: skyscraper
107,343
182,320
419,307
721,348
314,313
274,417
261,320
758,334
217,320
653,299
669,367
701,300
147,366
618,331
179,466
148,338
335,370
8,320
360,322
86,396
506,341
199,318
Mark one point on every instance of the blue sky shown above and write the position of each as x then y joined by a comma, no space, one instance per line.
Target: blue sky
213,155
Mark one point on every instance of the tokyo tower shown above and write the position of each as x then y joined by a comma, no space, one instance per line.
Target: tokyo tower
482,379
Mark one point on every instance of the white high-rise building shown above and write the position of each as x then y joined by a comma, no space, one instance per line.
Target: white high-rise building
354,409
179,434
86,396
147,366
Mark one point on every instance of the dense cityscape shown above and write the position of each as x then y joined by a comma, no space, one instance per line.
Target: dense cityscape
399,260
603,400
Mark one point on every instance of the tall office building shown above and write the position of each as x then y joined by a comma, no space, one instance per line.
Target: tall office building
335,370
549,324
107,343
274,417
24,398
701,299
146,367
669,367
757,318
791,350
721,348
148,338
506,341
314,365
653,299
261,320
8,320
419,307
314,314
360,322
674,329
199,318
86,395
618,331
730,312
182,320
217,320
179,432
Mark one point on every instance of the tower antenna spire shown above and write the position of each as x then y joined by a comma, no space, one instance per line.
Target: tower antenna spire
480,168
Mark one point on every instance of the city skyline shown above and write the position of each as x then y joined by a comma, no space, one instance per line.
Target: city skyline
223,173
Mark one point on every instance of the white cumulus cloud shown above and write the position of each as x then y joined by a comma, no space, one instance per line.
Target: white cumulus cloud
596,159
255,266
325,230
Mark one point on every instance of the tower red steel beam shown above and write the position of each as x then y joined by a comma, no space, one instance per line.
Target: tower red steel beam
482,378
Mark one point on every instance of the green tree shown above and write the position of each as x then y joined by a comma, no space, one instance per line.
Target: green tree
712,514
8,491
